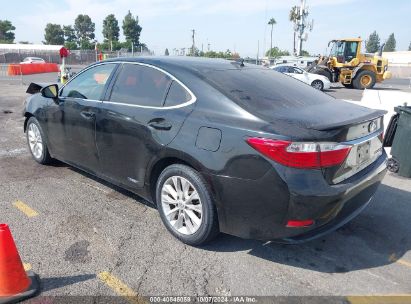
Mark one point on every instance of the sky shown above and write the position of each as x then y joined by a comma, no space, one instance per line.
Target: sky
238,25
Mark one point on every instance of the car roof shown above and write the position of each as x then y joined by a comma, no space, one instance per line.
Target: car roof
286,66
191,64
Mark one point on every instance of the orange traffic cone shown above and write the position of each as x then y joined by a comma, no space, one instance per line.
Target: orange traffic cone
15,284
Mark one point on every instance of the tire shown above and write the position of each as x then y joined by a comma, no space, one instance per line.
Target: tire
364,80
393,165
323,72
37,142
318,84
186,223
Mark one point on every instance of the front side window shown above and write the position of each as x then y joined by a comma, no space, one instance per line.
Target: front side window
351,50
140,85
176,95
282,69
89,84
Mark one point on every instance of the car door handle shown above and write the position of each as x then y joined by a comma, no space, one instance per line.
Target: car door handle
87,115
159,124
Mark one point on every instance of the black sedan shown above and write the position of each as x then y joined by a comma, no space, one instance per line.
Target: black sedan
216,145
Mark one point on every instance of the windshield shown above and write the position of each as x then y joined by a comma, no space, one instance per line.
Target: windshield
337,49
344,51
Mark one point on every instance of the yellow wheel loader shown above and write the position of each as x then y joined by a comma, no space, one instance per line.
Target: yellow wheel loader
346,64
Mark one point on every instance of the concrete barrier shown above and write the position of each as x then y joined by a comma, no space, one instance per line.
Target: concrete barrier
384,100
32,68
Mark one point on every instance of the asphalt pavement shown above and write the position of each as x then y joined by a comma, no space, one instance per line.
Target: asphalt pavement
395,84
86,237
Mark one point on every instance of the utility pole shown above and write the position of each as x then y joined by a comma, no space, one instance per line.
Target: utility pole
294,49
258,51
194,45
302,25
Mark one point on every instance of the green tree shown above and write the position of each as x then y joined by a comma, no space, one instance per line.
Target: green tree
166,52
87,45
84,28
275,52
213,54
131,28
69,33
70,37
70,45
142,47
272,22
196,52
6,31
111,31
390,44
373,43
305,53
53,34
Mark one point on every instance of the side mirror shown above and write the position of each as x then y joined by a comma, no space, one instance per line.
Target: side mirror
50,91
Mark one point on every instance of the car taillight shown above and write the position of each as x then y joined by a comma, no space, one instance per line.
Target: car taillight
299,223
301,154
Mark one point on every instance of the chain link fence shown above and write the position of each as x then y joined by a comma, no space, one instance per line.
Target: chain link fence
76,57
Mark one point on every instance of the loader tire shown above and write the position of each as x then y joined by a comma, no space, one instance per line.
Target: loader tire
364,80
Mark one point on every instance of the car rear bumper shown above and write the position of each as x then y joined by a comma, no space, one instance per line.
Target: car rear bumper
260,209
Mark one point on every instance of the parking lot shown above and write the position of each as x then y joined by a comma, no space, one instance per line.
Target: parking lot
86,237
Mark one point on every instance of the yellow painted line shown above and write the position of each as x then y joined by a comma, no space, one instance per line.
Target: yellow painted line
27,266
394,259
405,263
120,288
25,209
383,299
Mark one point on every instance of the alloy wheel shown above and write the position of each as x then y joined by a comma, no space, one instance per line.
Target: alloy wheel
317,85
35,141
181,205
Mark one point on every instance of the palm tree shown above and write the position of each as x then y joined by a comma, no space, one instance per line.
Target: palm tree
271,22
294,16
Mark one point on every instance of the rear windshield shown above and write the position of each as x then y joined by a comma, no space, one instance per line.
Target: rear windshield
260,90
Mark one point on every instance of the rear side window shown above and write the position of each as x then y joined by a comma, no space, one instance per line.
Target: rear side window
140,85
176,95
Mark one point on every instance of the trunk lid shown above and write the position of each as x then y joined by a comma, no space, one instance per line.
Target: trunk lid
328,116
366,141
